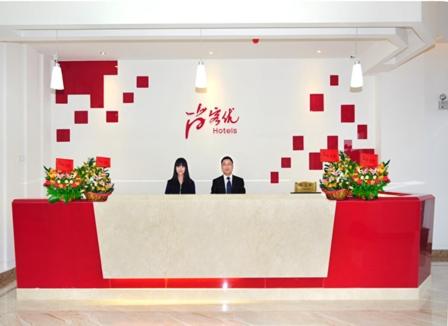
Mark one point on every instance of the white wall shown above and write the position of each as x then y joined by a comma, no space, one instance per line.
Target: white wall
21,137
270,96
400,108
413,133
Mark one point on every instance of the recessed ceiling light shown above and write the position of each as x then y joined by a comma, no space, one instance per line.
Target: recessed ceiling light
319,51
210,52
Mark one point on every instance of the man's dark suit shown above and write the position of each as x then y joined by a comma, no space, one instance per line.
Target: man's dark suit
218,186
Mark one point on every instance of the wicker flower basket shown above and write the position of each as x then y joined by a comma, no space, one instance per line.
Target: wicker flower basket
93,196
336,194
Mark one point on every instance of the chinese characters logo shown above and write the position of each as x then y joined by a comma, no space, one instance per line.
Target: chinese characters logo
223,121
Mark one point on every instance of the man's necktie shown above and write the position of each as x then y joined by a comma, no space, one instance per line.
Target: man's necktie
228,186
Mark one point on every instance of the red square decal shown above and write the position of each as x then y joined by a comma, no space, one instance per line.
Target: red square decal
347,145
62,135
112,116
316,102
81,117
332,142
128,97
334,80
274,177
347,113
314,161
297,143
286,162
61,98
142,81
362,131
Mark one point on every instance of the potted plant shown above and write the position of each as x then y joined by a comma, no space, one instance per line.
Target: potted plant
62,186
367,182
97,184
336,180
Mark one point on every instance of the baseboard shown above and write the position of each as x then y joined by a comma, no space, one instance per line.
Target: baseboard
206,295
439,255
7,277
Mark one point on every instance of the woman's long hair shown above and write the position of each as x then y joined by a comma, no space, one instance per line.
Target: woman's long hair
181,162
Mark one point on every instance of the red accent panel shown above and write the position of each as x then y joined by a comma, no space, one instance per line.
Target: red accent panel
85,78
316,102
347,113
334,80
314,161
128,97
142,82
215,283
426,230
385,243
286,162
138,283
57,245
62,135
81,117
332,142
112,116
297,143
362,131
275,177
294,282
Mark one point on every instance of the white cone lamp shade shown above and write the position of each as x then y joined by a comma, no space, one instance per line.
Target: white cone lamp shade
357,79
201,76
56,77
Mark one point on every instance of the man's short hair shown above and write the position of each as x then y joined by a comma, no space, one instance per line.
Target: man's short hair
226,158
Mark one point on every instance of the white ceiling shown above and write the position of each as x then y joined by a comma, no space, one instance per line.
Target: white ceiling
387,33
218,49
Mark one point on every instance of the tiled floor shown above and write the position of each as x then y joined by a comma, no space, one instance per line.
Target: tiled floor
430,310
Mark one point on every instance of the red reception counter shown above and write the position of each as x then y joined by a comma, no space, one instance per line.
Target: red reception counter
385,243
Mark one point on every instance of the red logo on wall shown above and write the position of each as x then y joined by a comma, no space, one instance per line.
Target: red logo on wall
221,120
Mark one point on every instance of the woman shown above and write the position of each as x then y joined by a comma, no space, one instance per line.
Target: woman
180,183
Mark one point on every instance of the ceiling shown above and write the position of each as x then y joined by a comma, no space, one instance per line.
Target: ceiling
208,49
386,33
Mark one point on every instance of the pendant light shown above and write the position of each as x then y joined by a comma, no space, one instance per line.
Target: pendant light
57,81
201,73
356,80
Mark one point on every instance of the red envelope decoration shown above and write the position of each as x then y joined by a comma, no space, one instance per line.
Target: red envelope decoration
103,162
329,155
64,165
368,160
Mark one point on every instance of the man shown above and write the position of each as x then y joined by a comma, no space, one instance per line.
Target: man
228,183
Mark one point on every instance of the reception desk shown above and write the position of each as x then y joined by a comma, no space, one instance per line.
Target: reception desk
217,246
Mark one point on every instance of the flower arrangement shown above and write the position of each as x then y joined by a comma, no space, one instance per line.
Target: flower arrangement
337,175
367,182
346,177
90,180
97,184
62,186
